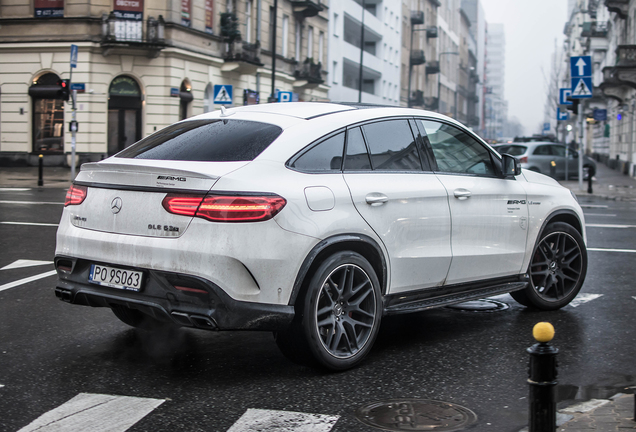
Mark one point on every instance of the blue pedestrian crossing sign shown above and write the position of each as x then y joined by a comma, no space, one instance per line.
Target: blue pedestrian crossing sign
223,94
582,87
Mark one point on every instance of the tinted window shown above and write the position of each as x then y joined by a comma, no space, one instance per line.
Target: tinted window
457,152
206,140
326,156
392,146
558,151
357,157
543,150
512,150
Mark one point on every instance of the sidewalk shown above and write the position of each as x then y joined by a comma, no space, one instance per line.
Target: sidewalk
607,183
27,177
604,415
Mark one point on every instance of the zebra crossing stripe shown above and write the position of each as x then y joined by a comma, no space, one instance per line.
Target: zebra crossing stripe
95,413
255,420
584,298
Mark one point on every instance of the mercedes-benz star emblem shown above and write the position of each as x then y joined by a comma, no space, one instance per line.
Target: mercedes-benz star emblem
115,205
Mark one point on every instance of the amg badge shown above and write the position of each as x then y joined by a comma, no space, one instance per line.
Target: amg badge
162,177
513,202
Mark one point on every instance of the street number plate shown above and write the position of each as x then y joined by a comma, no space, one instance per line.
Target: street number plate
115,278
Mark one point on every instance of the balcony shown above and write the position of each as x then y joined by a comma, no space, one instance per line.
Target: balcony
431,32
595,29
308,74
625,69
431,103
432,67
126,36
417,17
305,8
417,57
612,87
417,98
621,7
242,57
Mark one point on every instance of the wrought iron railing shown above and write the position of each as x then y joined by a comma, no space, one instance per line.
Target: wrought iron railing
309,71
121,30
243,51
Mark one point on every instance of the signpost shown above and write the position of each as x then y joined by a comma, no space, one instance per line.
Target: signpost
581,75
73,125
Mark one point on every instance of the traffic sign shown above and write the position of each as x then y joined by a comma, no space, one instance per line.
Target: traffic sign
73,55
582,87
562,115
600,114
564,94
223,94
285,96
546,127
580,66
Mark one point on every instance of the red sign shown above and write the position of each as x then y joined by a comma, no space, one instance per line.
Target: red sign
48,8
185,12
209,18
129,9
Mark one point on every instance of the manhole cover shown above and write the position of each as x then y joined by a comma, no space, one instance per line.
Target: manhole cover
416,415
484,305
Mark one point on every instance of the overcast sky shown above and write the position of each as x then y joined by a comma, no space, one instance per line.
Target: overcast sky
531,28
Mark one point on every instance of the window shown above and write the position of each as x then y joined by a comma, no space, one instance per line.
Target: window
336,29
324,157
321,47
248,21
310,43
285,52
357,158
272,15
455,151
206,140
392,146
299,39
334,72
543,150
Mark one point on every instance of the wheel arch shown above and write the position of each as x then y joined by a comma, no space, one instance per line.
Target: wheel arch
567,216
362,244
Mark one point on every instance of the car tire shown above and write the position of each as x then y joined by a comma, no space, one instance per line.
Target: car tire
140,320
557,269
339,316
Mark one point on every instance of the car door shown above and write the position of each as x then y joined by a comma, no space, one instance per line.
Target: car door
395,192
542,158
489,214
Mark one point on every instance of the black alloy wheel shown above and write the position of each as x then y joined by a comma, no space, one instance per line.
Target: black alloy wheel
557,269
341,314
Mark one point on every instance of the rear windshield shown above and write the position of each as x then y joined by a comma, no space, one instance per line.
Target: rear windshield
206,140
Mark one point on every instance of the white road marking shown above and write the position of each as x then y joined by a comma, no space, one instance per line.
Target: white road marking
584,407
29,223
25,263
1,385
95,413
27,280
609,226
612,250
14,189
634,297
593,206
584,298
30,202
283,421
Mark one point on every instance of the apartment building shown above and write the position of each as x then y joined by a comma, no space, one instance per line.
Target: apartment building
142,65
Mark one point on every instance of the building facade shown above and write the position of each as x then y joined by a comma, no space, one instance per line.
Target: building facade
143,65
496,107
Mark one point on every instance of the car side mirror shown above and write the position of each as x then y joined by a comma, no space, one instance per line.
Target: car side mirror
510,166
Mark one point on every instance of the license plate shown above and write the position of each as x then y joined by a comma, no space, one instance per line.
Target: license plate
115,278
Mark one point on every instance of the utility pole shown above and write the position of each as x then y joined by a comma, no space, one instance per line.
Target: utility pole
272,95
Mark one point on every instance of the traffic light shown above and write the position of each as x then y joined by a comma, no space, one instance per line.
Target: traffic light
65,89
575,105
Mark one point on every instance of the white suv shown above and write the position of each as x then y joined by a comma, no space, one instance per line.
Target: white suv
313,220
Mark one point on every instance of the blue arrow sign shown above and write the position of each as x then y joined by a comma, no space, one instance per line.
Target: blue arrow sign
562,115
564,93
580,66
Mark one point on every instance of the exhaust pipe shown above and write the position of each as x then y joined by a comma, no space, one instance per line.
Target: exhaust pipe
64,294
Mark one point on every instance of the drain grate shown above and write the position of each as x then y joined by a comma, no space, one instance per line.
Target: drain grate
416,415
483,305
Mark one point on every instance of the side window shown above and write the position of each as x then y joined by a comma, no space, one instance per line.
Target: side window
324,157
357,158
543,151
392,146
457,152
558,151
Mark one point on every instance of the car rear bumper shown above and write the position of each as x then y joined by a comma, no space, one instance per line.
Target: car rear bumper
202,305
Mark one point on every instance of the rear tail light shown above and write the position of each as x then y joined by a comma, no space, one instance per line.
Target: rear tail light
75,195
224,208
523,159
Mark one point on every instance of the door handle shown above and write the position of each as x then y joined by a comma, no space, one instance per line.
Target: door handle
376,199
462,194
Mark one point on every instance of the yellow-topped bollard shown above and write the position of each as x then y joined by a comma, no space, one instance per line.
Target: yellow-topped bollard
543,332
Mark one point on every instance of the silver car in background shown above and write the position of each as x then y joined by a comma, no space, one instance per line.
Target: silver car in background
539,156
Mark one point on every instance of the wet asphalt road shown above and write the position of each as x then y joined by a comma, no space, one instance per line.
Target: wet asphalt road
51,351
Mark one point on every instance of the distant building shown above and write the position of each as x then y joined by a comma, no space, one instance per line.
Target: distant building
381,51
496,107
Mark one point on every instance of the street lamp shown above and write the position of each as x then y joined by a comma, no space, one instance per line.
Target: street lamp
439,75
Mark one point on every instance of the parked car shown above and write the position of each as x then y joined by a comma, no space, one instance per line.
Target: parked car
313,221
539,156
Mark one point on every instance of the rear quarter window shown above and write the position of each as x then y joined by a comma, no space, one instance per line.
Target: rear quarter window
224,140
